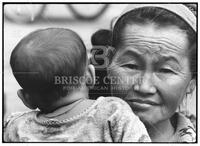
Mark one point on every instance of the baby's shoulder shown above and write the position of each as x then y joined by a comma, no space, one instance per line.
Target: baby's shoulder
17,123
17,116
113,102
112,106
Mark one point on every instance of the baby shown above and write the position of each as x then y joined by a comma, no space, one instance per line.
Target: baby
51,66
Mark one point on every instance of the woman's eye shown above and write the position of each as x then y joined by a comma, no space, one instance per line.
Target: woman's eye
166,70
131,66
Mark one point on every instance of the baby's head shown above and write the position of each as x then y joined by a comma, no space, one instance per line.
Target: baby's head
43,63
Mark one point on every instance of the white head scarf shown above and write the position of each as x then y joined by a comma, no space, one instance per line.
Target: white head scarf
178,9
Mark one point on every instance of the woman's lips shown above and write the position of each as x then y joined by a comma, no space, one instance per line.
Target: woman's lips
142,104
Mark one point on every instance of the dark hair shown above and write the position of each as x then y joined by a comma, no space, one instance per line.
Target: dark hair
160,17
100,40
44,54
101,37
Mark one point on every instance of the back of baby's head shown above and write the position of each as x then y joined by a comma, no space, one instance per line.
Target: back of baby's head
43,59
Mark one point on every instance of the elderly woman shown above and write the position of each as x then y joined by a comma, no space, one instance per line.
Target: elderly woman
153,66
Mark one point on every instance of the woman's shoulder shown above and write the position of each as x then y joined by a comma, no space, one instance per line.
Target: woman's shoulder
184,129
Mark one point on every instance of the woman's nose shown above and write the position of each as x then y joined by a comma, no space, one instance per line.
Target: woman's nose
145,84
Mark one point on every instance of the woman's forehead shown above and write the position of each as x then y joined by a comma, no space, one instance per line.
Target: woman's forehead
152,39
152,46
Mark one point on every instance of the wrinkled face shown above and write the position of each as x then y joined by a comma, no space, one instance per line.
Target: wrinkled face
151,70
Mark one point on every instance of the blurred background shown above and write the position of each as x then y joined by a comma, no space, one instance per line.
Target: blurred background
21,19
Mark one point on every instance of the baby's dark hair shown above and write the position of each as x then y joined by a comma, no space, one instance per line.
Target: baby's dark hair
160,17
46,55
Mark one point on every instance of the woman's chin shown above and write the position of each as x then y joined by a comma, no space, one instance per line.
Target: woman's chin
146,117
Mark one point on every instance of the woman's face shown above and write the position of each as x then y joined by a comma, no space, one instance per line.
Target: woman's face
151,70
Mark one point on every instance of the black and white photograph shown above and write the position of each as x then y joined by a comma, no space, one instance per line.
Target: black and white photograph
99,72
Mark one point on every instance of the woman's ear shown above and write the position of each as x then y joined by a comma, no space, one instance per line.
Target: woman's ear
183,107
26,99
191,86
90,76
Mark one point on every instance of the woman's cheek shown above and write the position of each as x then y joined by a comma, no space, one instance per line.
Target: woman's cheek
120,82
172,92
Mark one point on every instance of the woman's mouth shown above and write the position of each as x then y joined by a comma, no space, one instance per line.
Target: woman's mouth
141,104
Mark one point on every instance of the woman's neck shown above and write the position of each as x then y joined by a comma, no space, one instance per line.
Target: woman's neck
161,132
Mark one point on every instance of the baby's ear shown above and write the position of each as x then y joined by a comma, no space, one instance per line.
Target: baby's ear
90,76
26,99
